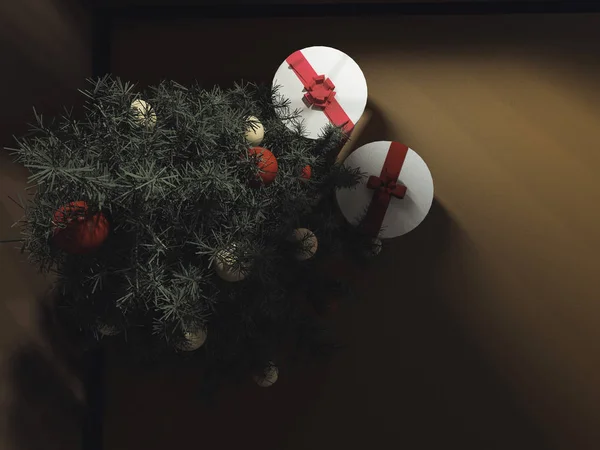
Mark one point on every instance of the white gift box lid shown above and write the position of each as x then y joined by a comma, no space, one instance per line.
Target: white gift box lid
403,214
342,70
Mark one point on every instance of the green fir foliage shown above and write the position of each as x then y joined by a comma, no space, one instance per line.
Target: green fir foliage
176,194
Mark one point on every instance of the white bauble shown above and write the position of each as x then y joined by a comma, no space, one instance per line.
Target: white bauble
255,132
269,377
143,113
225,266
309,243
108,330
193,341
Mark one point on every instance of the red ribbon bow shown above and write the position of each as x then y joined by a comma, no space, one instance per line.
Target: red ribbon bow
319,91
385,186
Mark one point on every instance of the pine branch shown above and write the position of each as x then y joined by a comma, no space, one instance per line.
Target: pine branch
177,194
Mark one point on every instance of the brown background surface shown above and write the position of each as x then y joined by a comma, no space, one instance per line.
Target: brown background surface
479,330
44,56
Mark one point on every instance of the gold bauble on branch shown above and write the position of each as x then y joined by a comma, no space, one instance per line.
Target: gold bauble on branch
268,377
309,243
227,266
192,341
143,113
255,133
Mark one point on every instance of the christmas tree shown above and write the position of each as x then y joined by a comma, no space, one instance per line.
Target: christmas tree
187,223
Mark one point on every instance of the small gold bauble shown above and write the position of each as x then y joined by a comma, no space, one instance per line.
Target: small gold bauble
227,268
255,133
193,341
269,377
309,243
143,113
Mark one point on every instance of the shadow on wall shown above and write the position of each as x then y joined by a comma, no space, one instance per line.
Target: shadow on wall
411,362
46,408
377,129
46,56
408,374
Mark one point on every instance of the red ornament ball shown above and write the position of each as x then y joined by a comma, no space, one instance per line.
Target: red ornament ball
267,163
306,172
82,232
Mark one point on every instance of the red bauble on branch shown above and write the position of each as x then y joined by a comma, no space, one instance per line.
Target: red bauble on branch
77,231
306,172
267,163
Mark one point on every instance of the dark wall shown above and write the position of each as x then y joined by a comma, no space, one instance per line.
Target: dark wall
44,57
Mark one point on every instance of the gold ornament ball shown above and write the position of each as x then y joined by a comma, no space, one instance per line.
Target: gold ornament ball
309,243
269,377
225,266
255,133
143,113
193,341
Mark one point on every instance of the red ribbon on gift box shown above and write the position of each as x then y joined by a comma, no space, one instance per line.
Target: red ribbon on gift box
320,91
385,186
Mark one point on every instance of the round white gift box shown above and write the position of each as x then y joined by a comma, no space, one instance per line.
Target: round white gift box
403,214
350,87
